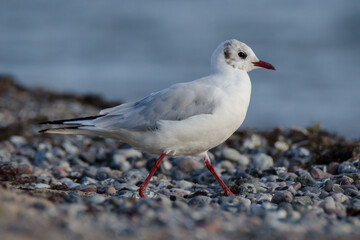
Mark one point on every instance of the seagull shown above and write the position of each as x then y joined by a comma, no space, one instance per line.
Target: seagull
186,119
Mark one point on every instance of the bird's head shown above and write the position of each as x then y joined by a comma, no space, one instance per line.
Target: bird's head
233,54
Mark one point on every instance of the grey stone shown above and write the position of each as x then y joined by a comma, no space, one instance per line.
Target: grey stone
66,180
199,200
234,156
73,185
302,200
70,148
102,173
177,174
263,161
337,188
247,188
347,167
339,197
134,175
17,140
90,172
281,146
253,141
4,156
282,196
328,185
354,206
227,165
129,153
42,185
306,179
96,199
88,180
184,184
190,164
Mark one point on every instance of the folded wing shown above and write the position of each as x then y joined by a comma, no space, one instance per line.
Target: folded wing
176,103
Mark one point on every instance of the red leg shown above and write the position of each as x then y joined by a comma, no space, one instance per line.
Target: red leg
227,191
147,180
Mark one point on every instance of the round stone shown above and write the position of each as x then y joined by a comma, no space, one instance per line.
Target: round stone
234,156
282,196
263,161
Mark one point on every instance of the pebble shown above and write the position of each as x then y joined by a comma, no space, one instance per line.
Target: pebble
347,167
73,185
333,167
41,185
281,146
126,186
189,164
199,200
18,140
253,142
102,173
300,152
90,172
129,153
121,165
339,197
354,206
227,165
345,180
4,156
317,173
247,188
88,157
88,188
263,161
306,180
111,190
282,196
302,200
134,175
183,184
96,199
234,156
328,185
337,188
177,174
88,180
332,207
117,157
25,168
70,148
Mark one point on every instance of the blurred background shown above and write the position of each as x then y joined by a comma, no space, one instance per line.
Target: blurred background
124,50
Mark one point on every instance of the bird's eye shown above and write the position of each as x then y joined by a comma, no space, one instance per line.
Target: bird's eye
242,55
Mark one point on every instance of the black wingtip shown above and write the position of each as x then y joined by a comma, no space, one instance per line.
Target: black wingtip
63,121
43,130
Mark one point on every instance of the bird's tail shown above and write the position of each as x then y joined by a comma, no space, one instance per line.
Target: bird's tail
73,126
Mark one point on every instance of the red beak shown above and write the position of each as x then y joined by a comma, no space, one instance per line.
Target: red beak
264,65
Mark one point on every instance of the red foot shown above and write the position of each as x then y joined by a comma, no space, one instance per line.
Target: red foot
227,191
147,180
142,192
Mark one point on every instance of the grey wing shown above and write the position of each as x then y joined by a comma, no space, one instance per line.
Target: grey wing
176,103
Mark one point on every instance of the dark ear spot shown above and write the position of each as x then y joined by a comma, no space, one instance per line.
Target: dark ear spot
226,53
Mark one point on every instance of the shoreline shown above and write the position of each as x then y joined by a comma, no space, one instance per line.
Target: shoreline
298,183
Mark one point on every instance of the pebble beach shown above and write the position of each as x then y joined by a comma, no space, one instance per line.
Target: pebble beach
298,183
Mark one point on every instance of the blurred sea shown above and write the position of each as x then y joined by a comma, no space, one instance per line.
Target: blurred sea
123,50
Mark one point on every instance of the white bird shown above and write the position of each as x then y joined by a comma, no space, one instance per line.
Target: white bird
185,119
